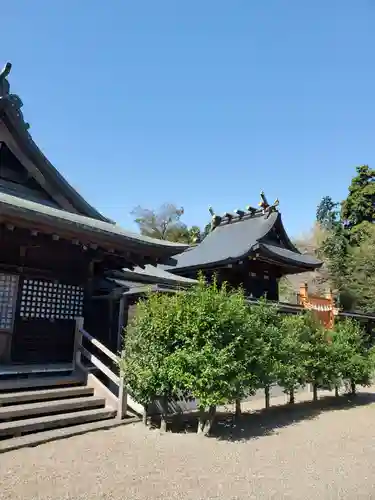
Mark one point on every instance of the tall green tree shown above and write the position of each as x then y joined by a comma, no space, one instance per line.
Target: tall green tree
327,213
360,280
359,206
265,322
349,240
291,369
350,354
335,251
316,360
334,247
196,343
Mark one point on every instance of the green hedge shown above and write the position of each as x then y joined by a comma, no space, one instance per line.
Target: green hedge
210,345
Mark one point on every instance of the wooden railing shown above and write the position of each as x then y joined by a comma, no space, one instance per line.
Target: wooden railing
80,350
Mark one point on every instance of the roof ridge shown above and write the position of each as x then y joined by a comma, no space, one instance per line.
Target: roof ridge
265,209
229,218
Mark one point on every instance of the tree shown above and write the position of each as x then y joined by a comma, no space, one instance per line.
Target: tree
164,223
347,246
335,251
319,280
359,206
333,247
361,273
291,370
316,360
350,355
327,214
265,322
195,343
146,348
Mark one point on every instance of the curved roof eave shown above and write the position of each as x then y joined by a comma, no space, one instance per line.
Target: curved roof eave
290,257
32,212
150,274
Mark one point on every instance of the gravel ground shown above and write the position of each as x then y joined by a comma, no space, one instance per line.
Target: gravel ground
323,451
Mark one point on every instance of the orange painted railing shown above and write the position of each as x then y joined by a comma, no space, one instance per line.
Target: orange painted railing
323,307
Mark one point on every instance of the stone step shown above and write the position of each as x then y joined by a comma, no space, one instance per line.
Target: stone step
50,407
38,438
41,382
12,398
19,427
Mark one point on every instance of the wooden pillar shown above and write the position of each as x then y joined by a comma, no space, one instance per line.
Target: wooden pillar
90,277
122,407
121,317
77,342
110,341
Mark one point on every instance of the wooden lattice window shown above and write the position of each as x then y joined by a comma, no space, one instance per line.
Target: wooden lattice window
42,299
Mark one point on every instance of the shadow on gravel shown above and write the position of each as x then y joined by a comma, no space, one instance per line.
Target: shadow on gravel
266,422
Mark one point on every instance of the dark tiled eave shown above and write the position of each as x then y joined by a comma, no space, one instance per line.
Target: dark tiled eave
85,228
150,275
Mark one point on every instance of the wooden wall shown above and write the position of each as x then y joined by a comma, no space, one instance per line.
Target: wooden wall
43,287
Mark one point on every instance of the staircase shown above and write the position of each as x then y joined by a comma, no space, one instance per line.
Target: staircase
39,405
38,409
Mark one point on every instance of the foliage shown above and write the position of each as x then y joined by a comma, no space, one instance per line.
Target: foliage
166,223
286,290
349,353
348,248
318,281
359,206
348,233
196,343
315,352
327,214
335,250
211,345
150,337
212,363
291,372
264,323
361,273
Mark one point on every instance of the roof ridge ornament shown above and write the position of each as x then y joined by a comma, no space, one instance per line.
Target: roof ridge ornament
266,208
15,101
215,219
4,84
253,211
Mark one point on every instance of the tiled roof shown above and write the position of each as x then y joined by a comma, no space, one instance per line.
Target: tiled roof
235,238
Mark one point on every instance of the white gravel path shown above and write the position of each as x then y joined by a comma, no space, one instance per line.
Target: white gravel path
321,455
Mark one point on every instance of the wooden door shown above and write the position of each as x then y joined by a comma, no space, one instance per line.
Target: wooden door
45,320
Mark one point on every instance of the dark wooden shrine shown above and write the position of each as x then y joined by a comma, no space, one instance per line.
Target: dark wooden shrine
249,248
54,247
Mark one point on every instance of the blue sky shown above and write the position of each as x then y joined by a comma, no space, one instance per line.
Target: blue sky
199,102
